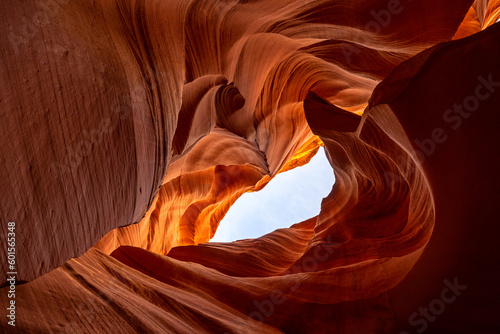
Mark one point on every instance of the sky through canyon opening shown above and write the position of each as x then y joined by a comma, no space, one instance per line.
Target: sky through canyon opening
290,198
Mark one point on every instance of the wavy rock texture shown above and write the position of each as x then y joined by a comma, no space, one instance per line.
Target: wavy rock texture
163,113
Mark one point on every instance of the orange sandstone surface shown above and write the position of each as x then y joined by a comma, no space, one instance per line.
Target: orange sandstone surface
130,127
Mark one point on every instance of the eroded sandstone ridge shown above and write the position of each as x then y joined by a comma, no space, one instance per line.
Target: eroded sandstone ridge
130,128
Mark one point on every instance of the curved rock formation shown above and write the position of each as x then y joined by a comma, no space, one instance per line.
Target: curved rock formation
133,126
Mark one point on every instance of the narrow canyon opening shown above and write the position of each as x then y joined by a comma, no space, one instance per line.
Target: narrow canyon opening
291,197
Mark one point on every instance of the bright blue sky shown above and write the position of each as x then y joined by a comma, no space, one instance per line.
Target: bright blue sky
289,198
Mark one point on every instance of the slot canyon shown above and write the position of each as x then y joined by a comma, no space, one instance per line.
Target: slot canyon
130,127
